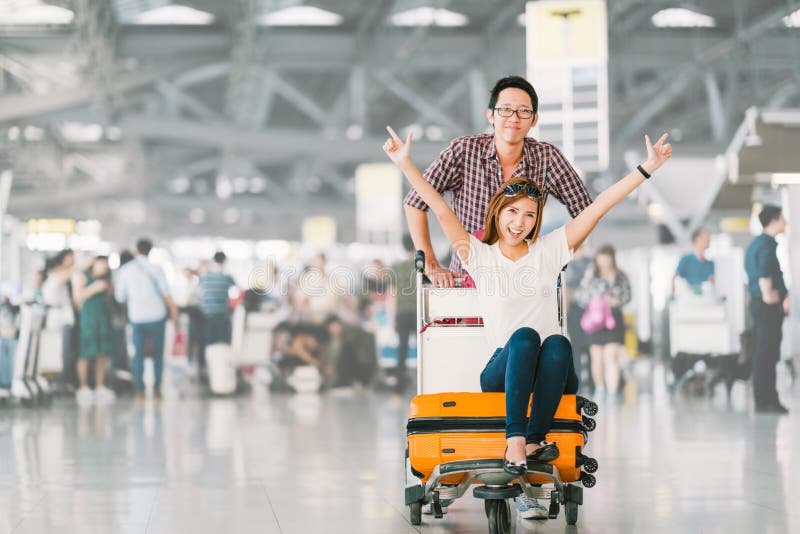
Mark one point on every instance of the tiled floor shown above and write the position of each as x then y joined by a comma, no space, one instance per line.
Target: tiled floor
331,464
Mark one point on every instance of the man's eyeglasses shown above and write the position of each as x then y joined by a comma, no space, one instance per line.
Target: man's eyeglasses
531,191
522,113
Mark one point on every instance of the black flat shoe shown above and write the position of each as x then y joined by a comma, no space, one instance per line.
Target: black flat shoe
546,453
513,468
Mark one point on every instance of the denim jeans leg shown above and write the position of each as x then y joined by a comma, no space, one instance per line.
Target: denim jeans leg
511,370
158,331
555,375
138,334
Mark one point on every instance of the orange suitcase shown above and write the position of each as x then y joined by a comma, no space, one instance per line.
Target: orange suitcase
447,427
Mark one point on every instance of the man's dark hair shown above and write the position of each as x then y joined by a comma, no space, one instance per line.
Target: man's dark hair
697,233
220,257
517,82
124,257
768,214
408,243
144,246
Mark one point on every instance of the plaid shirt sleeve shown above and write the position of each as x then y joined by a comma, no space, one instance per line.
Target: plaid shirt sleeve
565,184
444,174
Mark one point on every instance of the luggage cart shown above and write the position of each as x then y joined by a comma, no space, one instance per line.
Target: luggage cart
700,341
27,384
447,324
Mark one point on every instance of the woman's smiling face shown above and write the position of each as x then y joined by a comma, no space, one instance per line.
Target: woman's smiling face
516,221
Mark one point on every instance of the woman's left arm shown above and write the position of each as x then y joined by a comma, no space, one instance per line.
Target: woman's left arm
579,228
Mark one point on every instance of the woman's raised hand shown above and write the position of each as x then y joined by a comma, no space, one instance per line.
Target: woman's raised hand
398,151
657,154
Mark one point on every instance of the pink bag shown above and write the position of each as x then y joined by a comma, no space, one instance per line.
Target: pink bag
597,316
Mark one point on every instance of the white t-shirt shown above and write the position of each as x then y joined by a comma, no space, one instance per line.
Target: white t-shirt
522,293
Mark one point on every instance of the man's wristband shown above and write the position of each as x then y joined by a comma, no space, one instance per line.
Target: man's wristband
644,172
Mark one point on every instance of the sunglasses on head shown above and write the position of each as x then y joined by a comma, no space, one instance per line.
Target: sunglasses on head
531,191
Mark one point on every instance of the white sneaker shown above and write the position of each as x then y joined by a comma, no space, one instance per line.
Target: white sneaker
84,396
530,508
104,395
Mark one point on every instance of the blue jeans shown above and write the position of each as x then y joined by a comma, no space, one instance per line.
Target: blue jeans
527,366
153,331
7,348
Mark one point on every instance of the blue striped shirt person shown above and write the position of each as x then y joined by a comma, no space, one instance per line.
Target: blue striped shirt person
214,287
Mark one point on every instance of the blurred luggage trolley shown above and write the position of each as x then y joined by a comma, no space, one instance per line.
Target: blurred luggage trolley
701,341
456,434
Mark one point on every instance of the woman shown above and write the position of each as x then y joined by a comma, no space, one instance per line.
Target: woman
515,272
606,281
92,294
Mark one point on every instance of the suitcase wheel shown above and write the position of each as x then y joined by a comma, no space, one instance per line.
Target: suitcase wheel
589,423
590,465
588,480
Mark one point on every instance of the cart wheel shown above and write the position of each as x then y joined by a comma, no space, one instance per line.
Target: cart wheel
415,513
588,480
499,516
589,423
571,511
590,408
590,465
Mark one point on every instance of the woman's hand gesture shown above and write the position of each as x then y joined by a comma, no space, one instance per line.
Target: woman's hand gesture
657,154
398,151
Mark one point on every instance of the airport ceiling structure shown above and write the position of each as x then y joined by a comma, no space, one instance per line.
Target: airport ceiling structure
241,117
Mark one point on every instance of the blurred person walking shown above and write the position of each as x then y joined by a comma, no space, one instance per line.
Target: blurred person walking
214,287
316,296
404,304
580,263
769,304
604,284
93,296
694,268
61,316
143,287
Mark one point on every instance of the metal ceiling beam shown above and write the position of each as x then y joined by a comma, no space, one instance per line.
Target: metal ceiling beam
272,146
691,71
419,102
26,106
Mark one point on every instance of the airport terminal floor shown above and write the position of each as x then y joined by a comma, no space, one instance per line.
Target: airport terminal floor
333,463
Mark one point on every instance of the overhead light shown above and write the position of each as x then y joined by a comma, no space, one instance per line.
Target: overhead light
175,15
354,132
224,187
180,185
522,19
679,17
429,16
240,185
197,215
33,133
792,20
257,185
33,12
301,16
78,132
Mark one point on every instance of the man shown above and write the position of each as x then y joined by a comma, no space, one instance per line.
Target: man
769,303
473,168
695,268
404,303
143,286
214,287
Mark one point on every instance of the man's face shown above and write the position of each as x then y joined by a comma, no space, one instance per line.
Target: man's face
702,241
512,129
780,224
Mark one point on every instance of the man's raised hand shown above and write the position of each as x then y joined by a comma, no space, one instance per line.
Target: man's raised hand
398,151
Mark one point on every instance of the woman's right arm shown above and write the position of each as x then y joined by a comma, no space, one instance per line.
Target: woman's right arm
400,153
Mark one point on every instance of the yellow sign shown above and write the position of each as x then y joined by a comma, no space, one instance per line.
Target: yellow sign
566,29
51,226
321,230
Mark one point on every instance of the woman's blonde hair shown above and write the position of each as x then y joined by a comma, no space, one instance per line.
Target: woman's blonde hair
500,201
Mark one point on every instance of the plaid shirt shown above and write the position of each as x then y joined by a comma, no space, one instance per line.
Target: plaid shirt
470,168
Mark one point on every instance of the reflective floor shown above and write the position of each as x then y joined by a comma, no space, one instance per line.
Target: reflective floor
334,464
